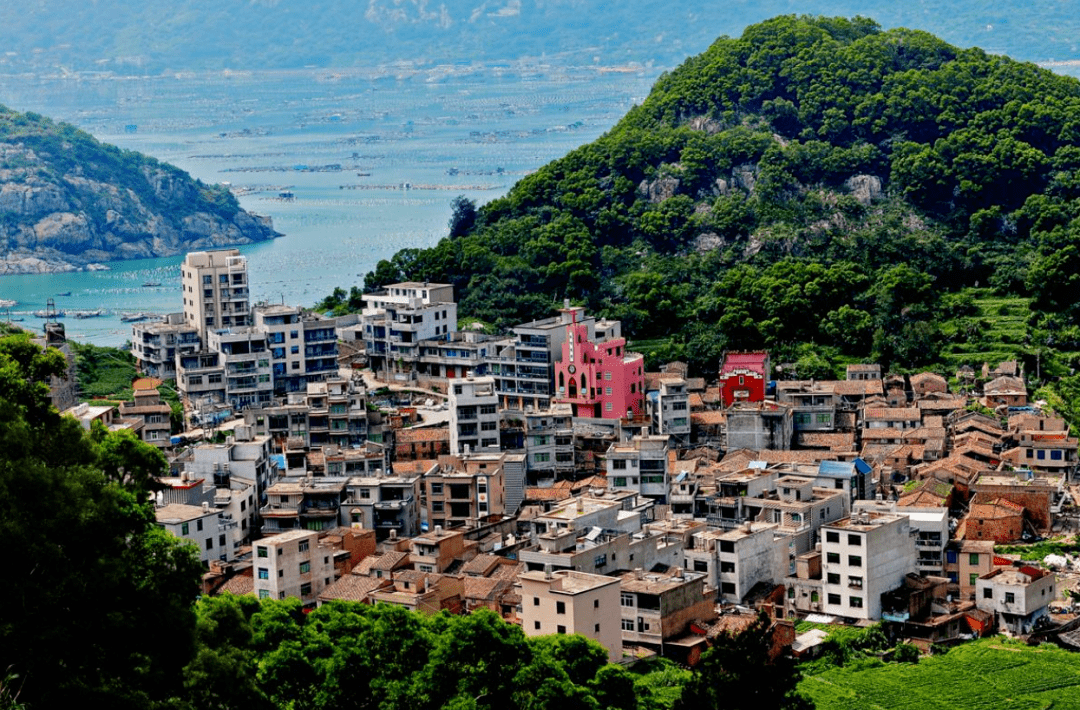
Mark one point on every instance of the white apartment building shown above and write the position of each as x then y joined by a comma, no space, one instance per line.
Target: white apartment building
671,408
865,556
398,317
640,465
215,286
474,415
155,344
569,602
292,564
203,526
733,561
1017,598
549,442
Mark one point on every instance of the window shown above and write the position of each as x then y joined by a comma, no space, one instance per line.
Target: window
184,529
834,598
854,560
293,335
596,628
305,567
262,552
619,464
791,593
536,601
209,543
560,629
607,391
305,589
536,625
294,350
973,558
627,624
972,578
595,603
436,489
727,567
854,540
855,602
855,582
1010,597
600,561
264,573
198,525
988,593
833,558
626,599
833,578
264,594
560,607
832,536
304,545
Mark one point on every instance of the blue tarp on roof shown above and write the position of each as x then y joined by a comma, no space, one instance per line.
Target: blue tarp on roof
842,469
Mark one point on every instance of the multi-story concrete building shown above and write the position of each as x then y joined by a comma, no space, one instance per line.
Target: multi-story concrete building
600,380
657,608
671,408
759,425
215,286
931,528
813,404
864,557
743,377
1018,598
569,602
292,564
549,442
389,504
640,465
396,320
733,561
244,460
454,355
146,405
474,415
466,489
205,526
156,344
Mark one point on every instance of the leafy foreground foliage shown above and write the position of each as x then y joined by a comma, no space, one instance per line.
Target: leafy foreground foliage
256,654
817,186
988,673
97,601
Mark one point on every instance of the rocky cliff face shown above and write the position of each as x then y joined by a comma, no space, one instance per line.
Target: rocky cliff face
71,215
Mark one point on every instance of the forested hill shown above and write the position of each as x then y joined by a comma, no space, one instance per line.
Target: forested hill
67,200
817,186
155,36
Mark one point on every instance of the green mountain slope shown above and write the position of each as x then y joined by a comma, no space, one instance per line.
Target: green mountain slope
817,186
67,200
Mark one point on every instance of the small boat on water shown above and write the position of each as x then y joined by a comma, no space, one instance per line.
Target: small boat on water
150,284
48,314
65,293
7,303
136,317
89,314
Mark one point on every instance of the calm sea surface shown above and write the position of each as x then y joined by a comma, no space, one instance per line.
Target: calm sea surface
344,143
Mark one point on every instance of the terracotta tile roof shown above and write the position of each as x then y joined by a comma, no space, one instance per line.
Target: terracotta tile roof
481,565
711,396
352,588
485,588
854,388
510,572
559,491
695,384
921,499
1005,384
707,418
239,585
836,441
416,435
417,468
590,482
695,401
995,509
906,414
387,561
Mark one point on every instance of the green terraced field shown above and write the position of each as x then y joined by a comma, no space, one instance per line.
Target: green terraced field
989,673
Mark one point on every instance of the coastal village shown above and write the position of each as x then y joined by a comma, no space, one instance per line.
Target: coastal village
546,475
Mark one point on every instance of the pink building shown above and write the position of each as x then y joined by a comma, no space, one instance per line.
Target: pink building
599,380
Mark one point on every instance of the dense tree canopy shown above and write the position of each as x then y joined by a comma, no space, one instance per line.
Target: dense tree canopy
766,191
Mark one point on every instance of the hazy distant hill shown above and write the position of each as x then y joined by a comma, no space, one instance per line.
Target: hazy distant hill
67,200
157,35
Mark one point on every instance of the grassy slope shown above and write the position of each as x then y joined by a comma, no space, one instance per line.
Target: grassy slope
989,673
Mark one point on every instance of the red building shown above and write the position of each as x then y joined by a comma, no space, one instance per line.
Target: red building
743,376
599,380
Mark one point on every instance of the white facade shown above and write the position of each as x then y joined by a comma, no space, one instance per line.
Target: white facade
1016,597
215,286
155,344
292,564
397,318
474,415
203,526
865,556
733,561
671,416
640,465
